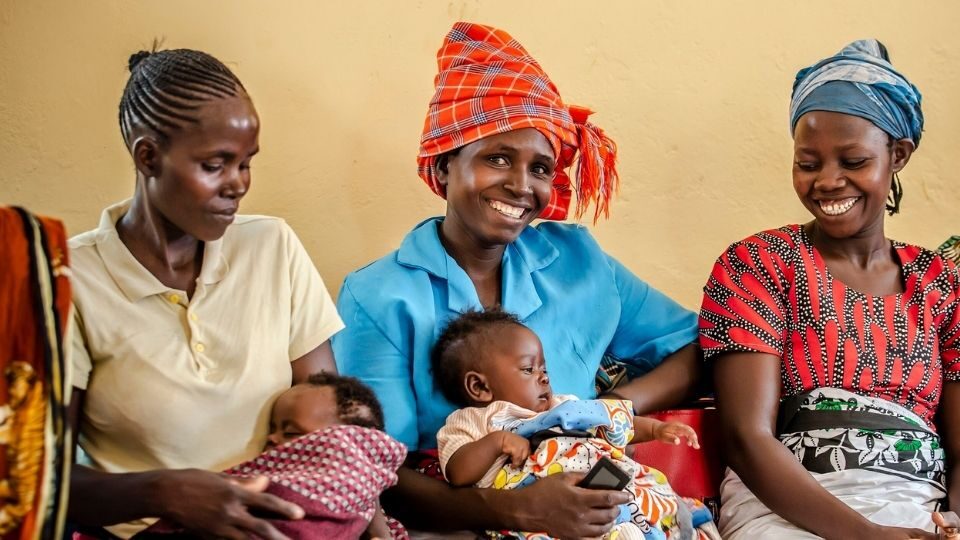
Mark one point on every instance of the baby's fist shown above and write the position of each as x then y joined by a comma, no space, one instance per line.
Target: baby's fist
516,447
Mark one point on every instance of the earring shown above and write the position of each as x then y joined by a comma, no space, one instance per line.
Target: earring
896,194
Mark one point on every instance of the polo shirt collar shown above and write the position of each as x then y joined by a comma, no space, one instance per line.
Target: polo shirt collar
531,252
131,277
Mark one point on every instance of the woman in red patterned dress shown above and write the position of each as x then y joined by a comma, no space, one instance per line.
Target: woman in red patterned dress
835,346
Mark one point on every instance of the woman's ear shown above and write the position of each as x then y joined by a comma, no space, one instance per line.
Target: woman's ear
477,388
442,167
146,156
902,150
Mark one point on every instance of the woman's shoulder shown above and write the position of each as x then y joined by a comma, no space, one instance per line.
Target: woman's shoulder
564,236
372,276
783,239
83,251
402,274
248,228
930,266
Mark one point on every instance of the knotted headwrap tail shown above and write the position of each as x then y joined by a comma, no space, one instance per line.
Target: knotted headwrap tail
859,80
488,84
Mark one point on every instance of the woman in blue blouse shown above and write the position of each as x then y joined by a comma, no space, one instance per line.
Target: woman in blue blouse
496,144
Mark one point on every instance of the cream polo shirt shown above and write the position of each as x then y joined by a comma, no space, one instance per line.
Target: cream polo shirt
177,382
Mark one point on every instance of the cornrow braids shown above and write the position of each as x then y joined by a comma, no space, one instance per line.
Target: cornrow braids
166,87
455,352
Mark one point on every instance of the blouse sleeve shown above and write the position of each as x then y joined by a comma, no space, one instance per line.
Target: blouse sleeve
365,352
652,326
744,304
313,317
950,326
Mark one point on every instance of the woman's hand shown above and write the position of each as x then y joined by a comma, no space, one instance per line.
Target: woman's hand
558,507
672,432
378,528
215,506
948,523
514,446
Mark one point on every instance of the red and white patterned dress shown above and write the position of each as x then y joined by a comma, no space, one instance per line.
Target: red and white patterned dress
772,293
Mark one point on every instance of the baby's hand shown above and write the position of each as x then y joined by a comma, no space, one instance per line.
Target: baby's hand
514,446
672,432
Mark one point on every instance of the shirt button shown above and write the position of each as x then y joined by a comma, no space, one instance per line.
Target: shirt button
174,298
199,347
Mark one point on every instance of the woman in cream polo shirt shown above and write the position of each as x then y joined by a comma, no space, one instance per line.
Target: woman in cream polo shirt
190,318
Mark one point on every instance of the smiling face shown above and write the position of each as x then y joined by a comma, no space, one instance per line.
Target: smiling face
496,186
512,369
843,169
197,178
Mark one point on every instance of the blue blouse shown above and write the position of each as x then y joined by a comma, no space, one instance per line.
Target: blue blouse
580,302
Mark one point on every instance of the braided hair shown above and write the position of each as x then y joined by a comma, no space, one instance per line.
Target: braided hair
165,88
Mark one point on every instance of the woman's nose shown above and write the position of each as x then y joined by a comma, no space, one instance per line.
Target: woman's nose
274,438
238,184
831,177
518,183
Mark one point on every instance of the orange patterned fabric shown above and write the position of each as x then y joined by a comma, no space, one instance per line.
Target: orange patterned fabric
488,84
35,295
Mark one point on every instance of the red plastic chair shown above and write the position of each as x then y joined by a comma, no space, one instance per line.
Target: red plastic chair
692,473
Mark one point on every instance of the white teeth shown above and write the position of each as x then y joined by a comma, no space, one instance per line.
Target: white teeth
506,209
835,208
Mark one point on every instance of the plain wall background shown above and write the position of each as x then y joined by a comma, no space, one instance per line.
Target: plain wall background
695,93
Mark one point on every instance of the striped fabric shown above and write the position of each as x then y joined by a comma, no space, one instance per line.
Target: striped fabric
489,84
35,437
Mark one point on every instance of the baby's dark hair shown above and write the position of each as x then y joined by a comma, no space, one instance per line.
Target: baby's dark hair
166,87
456,351
356,403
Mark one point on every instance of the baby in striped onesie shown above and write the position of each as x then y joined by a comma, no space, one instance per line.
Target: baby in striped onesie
493,365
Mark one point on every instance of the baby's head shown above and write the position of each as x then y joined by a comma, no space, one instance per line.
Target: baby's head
325,400
486,356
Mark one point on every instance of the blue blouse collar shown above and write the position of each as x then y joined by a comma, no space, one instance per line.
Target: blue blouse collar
532,251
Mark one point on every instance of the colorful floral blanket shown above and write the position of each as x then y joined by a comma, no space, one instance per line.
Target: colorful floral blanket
605,427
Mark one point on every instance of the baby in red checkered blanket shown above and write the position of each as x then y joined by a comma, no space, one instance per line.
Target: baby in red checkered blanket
327,400
328,454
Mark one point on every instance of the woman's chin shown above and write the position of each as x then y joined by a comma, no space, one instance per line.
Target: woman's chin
502,236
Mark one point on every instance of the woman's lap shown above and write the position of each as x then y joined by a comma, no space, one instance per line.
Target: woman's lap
882,498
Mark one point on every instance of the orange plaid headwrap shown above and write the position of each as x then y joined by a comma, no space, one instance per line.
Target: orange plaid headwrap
488,84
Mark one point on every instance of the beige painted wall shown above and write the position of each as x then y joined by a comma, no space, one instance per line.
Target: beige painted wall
696,93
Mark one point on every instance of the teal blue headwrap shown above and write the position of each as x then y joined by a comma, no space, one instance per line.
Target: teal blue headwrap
860,81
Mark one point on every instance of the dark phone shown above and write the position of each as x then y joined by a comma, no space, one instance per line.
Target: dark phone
605,475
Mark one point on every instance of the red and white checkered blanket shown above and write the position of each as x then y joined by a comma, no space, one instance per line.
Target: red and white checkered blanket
336,475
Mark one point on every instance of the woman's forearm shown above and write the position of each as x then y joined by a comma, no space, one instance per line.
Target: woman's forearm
775,476
953,489
950,440
670,383
99,498
424,503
